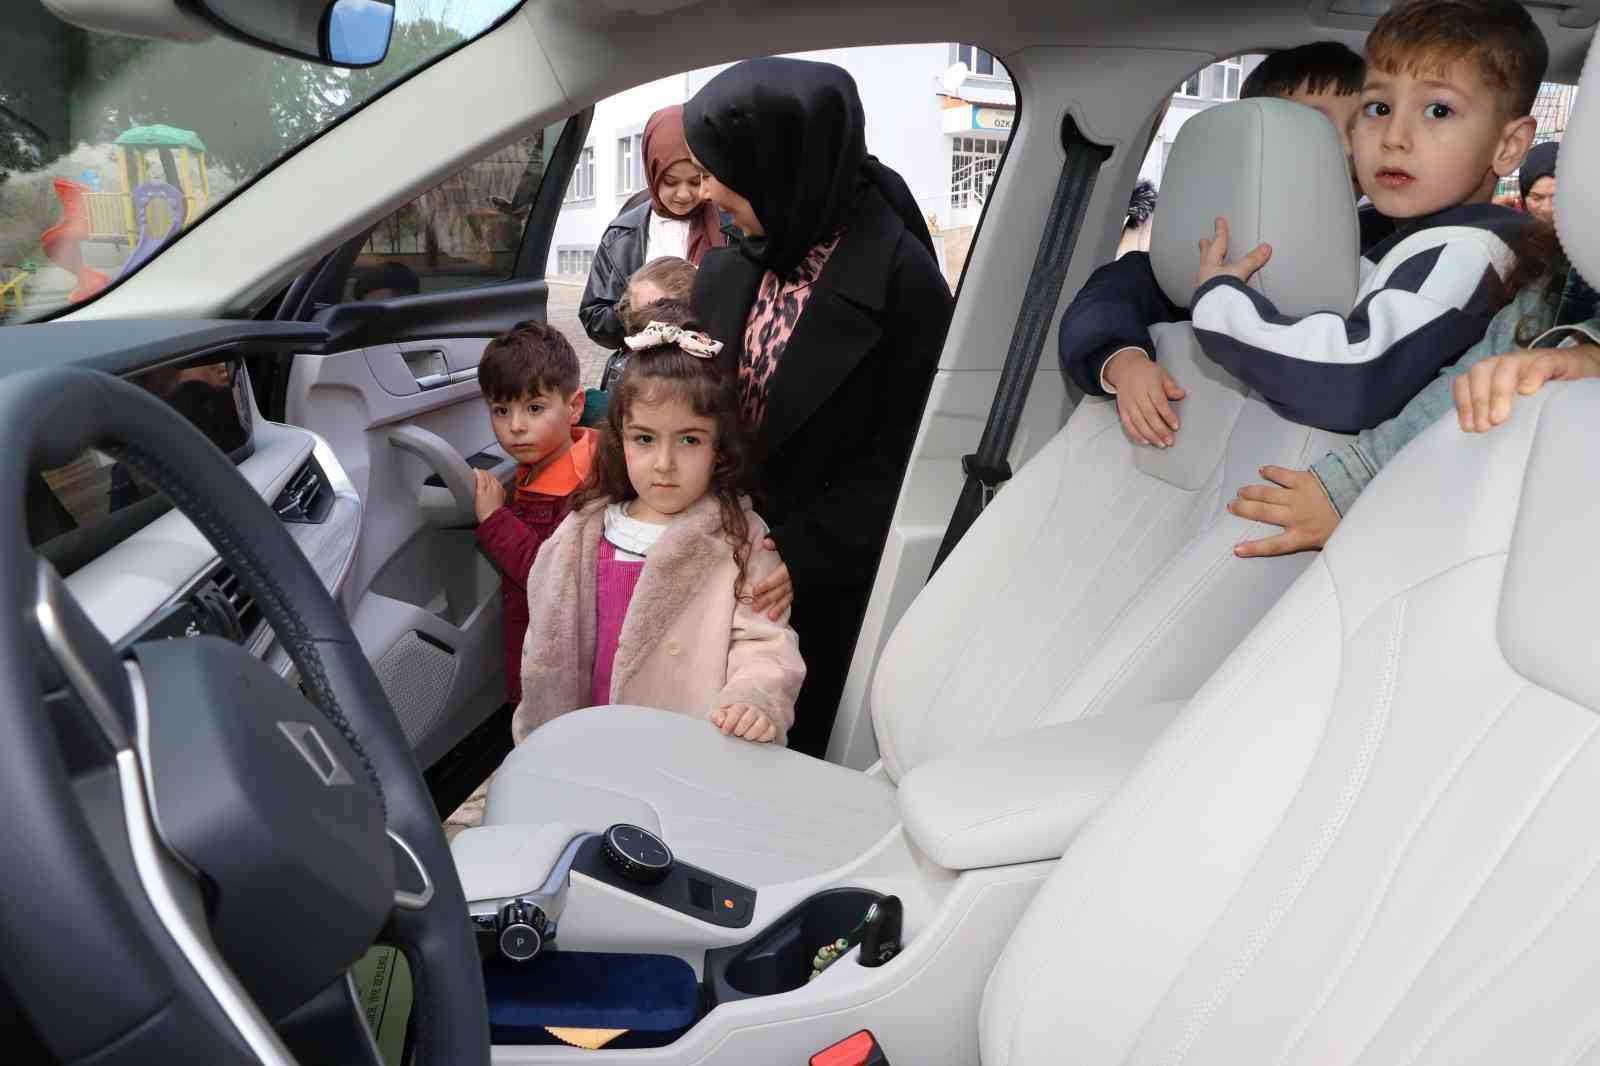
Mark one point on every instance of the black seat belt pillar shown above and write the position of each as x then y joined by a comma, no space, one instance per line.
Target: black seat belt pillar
988,468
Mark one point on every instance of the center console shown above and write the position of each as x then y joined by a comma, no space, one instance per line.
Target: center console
652,958
542,992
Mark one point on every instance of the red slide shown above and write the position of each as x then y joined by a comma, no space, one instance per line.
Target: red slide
63,241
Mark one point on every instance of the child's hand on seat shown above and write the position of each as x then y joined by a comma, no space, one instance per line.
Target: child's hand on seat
491,494
1214,255
1144,392
1484,393
745,721
1296,501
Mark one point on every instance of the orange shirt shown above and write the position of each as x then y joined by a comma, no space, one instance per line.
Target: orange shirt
563,476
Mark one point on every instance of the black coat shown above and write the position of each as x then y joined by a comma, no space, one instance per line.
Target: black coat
842,412
622,250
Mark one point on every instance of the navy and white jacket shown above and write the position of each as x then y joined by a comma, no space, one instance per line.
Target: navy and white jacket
1426,295
1121,301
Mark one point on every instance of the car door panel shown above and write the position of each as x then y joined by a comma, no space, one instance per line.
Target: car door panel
424,602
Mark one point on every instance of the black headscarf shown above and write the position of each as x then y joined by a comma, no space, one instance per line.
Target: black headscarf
789,136
1540,162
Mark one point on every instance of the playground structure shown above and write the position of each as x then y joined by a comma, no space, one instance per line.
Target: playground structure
143,217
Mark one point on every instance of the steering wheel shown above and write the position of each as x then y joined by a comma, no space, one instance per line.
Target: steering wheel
194,852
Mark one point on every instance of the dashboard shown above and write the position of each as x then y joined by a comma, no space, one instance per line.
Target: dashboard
139,568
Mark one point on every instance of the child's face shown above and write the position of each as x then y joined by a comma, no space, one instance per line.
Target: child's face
671,452
533,428
1430,141
1339,108
680,187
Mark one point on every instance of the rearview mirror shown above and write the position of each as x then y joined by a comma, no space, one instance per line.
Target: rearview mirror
345,33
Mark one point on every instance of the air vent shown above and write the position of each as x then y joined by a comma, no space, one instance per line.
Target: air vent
241,602
307,498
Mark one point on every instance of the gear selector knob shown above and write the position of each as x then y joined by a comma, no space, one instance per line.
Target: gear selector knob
521,930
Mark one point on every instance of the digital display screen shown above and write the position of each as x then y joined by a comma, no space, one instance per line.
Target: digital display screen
84,507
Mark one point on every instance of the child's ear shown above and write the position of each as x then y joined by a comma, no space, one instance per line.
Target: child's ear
575,404
1515,140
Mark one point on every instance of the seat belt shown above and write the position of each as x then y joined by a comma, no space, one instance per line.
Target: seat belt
987,469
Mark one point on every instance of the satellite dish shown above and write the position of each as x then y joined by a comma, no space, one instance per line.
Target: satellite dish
955,77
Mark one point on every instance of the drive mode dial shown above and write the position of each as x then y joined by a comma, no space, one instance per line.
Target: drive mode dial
637,854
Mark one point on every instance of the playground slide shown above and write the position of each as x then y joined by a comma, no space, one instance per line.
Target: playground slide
63,242
149,243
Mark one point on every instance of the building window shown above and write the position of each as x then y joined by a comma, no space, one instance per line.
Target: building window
978,61
630,164
582,187
1231,73
574,262
973,162
1190,87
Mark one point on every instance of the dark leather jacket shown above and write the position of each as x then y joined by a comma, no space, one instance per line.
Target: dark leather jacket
622,251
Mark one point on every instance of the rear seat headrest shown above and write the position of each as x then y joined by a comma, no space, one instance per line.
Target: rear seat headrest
1576,219
1276,172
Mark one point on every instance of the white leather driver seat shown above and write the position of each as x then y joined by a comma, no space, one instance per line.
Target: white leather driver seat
1372,836
1100,580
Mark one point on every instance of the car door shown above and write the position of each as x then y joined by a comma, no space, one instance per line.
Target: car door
410,305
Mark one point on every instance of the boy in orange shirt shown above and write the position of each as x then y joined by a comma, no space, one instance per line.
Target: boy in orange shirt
529,379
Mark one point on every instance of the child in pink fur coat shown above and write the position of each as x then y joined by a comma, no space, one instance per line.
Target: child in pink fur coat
642,596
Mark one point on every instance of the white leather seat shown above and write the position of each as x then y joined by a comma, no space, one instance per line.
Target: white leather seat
1371,837
1102,578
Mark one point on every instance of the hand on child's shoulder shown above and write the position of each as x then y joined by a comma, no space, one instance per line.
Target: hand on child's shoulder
491,495
745,721
774,593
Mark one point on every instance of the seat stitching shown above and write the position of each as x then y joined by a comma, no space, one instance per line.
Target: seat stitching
1532,933
936,696
1162,627
1425,816
1314,855
1176,502
1112,549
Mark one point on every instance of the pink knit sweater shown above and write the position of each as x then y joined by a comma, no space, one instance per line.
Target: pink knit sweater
613,591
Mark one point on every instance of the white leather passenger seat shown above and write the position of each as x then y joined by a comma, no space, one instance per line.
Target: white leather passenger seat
1101,579
1371,836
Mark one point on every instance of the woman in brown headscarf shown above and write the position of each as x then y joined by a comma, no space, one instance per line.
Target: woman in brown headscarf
674,221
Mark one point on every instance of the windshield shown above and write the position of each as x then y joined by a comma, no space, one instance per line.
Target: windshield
111,146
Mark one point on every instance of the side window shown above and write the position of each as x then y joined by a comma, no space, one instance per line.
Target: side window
463,233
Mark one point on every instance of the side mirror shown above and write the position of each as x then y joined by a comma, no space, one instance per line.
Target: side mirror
345,33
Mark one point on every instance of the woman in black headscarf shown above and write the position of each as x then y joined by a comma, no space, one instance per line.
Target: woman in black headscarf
1536,180
832,312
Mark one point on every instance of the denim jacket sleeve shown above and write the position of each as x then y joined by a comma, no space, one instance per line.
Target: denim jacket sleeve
1345,471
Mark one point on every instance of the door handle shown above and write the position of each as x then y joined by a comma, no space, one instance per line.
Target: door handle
452,505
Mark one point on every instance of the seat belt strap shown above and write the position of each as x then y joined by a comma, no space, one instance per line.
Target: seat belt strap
988,468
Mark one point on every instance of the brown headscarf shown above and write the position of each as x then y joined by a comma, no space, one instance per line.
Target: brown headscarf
664,146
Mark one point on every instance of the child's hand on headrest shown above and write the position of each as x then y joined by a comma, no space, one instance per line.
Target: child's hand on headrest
1214,255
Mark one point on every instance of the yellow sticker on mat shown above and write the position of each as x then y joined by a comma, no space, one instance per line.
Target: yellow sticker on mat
592,1039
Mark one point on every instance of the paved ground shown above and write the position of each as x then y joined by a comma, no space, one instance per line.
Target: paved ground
562,313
